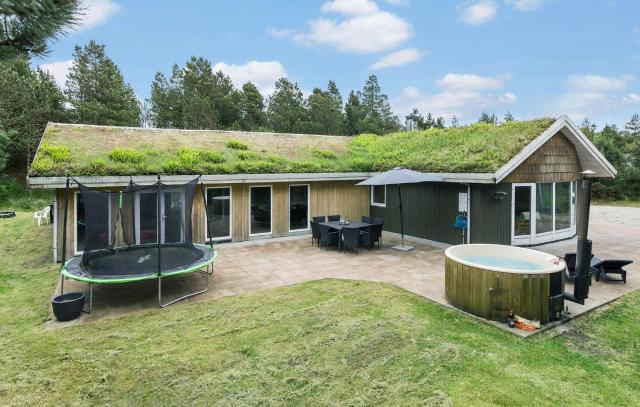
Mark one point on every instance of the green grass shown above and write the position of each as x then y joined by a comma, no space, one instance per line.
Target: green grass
15,196
79,150
328,342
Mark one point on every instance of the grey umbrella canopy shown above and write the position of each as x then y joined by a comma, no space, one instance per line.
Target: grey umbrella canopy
399,176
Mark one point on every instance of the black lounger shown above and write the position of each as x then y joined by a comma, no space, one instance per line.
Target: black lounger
604,267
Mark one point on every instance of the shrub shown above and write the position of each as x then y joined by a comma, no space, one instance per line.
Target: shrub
247,155
304,166
319,153
96,166
255,167
44,166
58,154
217,169
126,156
4,153
195,155
237,145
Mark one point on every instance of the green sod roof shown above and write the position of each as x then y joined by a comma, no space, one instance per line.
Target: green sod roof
82,150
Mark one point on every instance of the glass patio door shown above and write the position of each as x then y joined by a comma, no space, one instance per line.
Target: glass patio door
171,217
219,213
523,221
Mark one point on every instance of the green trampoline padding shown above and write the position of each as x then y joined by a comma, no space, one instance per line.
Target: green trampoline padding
138,263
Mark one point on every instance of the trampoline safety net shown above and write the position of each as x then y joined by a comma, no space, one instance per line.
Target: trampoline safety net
142,229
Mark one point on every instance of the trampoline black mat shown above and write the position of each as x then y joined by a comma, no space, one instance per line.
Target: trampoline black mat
139,263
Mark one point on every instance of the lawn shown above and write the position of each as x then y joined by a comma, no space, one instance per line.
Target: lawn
321,343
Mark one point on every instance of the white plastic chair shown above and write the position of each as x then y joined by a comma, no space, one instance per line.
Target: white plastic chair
42,217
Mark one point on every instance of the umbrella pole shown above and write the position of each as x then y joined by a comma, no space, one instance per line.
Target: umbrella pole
402,246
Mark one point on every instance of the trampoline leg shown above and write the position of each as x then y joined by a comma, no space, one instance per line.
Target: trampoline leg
61,284
206,288
88,311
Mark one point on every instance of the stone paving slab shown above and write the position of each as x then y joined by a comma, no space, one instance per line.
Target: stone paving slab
259,265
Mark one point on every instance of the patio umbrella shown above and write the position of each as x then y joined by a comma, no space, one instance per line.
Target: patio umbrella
399,176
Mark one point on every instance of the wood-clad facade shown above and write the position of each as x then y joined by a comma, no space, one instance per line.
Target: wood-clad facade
324,198
555,161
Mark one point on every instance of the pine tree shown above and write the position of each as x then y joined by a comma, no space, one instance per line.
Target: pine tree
429,122
454,122
632,127
30,99
286,111
353,115
489,118
166,102
97,91
439,123
198,89
508,117
378,116
325,111
29,24
252,108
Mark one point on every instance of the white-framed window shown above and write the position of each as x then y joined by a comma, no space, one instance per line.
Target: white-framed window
79,228
379,195
219,213
299,207
542,212
260,210
172,216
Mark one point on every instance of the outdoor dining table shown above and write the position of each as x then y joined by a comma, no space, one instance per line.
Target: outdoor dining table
338,226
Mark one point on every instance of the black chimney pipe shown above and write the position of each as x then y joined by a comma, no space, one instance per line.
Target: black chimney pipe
583,251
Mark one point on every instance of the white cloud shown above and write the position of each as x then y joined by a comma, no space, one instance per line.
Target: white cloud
363,28
593,95
350,7
59,70
472,82
398,58
525,5
477,12
96,12
263,74
280,32
462,95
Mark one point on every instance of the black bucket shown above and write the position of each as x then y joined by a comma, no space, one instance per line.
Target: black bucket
7,214
67,306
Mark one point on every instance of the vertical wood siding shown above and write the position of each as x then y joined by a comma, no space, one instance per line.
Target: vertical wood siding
490,218
429,211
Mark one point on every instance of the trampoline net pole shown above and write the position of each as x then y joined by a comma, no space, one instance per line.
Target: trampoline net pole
64,232
206,214
158,226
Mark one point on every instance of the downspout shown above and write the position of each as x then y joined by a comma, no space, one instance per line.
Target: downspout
468,213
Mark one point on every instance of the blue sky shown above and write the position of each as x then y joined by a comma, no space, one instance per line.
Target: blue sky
531,57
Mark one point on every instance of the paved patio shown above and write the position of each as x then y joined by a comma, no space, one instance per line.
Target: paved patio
258,265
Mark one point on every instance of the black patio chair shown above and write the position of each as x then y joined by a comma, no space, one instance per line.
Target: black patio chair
611,266
366,219
328,236
376,221
315,233
319,218
334,218
372,235
351,238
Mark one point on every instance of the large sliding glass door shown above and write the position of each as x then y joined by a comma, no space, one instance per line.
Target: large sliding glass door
542,212
219,213
298,207
260,210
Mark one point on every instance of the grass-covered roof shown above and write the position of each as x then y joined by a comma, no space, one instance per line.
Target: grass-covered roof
99,151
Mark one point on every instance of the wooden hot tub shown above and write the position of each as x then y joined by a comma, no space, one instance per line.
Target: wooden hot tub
490,280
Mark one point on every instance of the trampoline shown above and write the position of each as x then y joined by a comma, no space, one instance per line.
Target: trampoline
118,228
